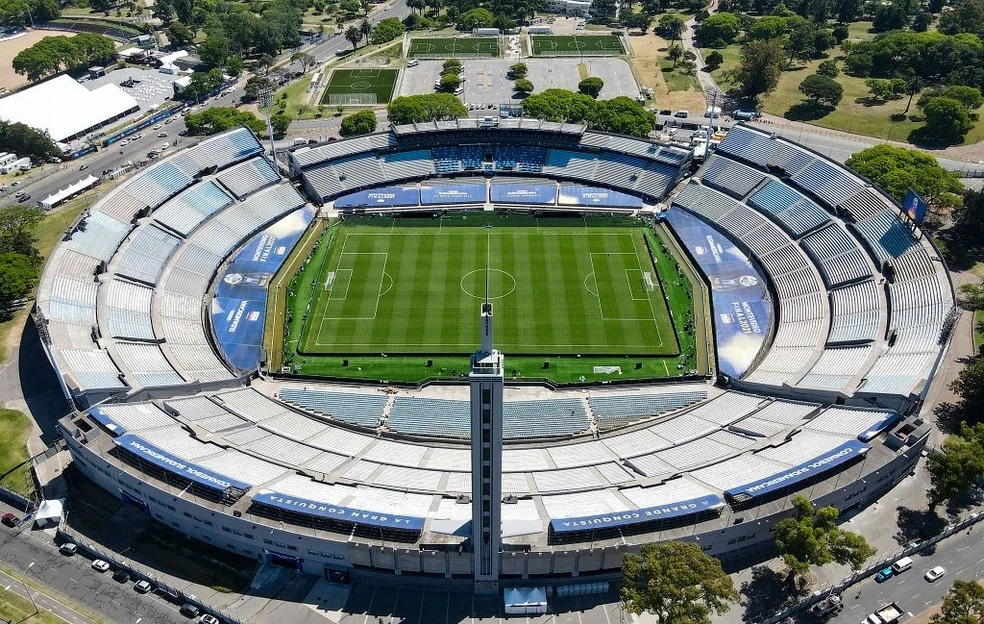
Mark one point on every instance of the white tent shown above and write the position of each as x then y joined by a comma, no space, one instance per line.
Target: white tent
525,600
75,188
50,513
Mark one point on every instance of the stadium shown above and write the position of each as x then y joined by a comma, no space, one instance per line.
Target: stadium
172,313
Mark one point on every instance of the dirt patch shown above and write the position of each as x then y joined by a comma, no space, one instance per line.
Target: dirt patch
10,48
647,53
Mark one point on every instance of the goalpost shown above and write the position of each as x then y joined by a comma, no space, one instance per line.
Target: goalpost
649,280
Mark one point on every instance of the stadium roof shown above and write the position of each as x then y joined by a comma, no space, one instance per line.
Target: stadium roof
476,123
65,108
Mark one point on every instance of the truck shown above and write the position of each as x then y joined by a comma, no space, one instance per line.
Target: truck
889,614
828,606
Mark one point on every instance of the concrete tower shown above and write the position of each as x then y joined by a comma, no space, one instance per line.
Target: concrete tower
486,381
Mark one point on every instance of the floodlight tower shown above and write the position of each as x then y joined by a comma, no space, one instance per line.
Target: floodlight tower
486,381
266,101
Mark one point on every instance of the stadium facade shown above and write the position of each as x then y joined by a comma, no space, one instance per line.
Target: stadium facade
831,314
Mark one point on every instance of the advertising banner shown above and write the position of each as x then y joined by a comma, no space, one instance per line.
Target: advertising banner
524,193
453,194
634,516
169,463
380,197
849,451
576,195
337,512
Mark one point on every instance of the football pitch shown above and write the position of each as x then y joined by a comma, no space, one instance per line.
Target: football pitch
556,290
450,47
360,87
575,45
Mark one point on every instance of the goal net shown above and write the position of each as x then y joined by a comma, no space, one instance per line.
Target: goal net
649,281
329,280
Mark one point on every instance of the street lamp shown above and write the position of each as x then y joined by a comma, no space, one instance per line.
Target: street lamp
28,590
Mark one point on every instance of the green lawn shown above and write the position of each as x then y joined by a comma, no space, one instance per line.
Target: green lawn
412,292
360,87
17,608
15,467
978,334
676,79
731,58
173,553
450,47
577,45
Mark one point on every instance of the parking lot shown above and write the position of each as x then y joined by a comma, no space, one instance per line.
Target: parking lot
486,81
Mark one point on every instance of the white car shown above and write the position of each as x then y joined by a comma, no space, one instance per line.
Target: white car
158,126
935,573
100,566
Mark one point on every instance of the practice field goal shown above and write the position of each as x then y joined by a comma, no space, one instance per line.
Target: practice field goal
352,99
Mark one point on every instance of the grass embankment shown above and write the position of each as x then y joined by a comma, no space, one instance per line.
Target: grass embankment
15,465
172,553
673,89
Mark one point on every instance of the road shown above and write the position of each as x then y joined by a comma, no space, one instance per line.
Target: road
43,601
328,49
963,557
38,559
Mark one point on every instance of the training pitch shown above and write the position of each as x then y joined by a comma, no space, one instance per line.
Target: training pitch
556,290
360,86
574,45
449,47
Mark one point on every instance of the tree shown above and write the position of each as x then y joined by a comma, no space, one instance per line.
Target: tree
714,60
811,537
256,85
960,462
52,54
451,66
965,237
801,43
221,118
966,16
642,21
387,30
759,68
476,18
180,35
621,115
963,604
306,60
891,16
366,29
840,33
559,105
896,169
363,122
450,82
280,122
591,85
676,583
24,140
18,274
202,84
523,86
968,386
947,119
922,21
675,52
518,70
970,97
769,27
828,68
18,224
822,90
670,26
409,109
215,50
879,88
353,35
718,27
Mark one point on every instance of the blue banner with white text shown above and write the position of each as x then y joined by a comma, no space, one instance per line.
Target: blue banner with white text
453,194
739,294
239,307
849,451
524,193
635,516
576,195
380,198
337,512
169,463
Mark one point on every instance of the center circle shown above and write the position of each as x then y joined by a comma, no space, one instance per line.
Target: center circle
501,283
360,85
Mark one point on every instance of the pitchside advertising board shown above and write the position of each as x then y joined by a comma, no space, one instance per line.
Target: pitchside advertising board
524,193
239,307
739,295
169,463
849,451
380,198
635,516
453,194
914,206
337,512
575,195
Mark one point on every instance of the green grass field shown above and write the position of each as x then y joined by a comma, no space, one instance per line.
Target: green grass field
449,47
359,87
574,45
378,298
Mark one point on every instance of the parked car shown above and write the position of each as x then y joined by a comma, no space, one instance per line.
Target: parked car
884,575
100,566
161,135
10,519
24,198
682,114
208,618
189,610
68,549
120,576
935,573
142,586
170,120
158,126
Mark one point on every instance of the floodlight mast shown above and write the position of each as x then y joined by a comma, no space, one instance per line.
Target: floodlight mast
266,100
